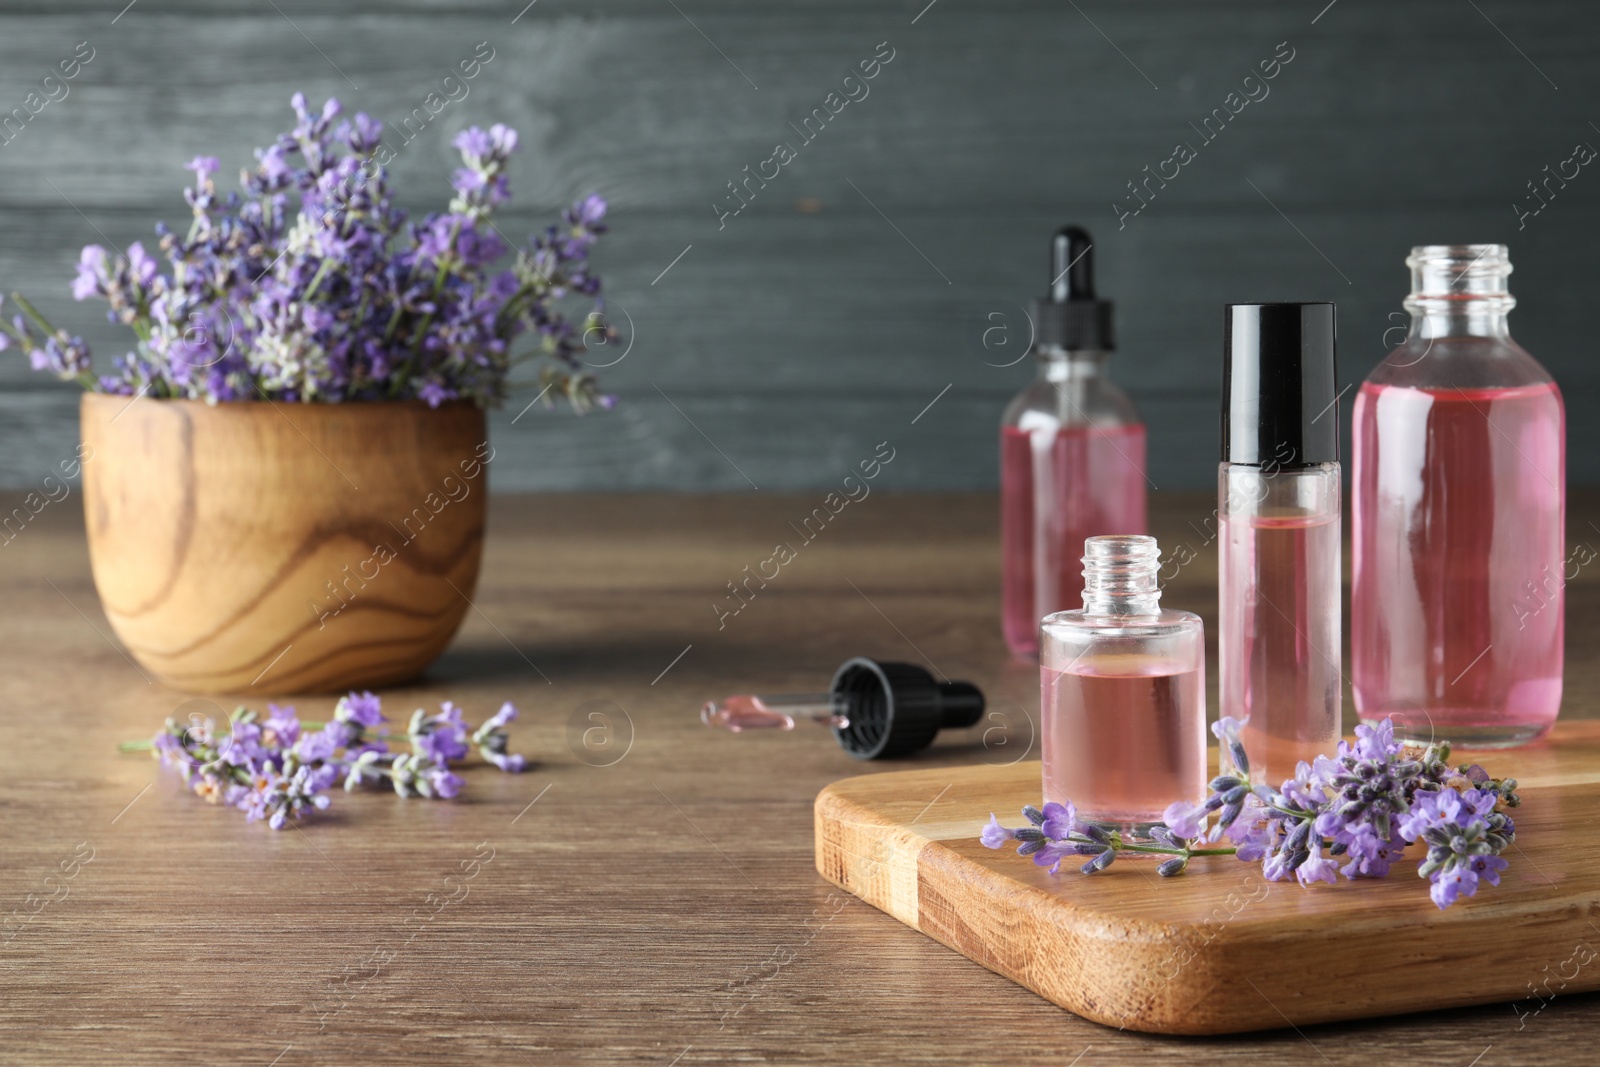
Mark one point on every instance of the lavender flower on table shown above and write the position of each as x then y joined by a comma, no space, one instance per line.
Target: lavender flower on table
280,768
1351,814
340,297
440,737
1464,834
492,739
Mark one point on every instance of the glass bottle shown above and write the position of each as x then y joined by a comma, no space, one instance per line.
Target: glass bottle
1278,488
1459,512
1122,693
1072,450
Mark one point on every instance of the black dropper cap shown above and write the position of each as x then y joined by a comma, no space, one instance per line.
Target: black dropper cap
895,709
1071,317
1279,400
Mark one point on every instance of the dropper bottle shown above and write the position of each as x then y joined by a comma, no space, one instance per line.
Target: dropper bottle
1072,449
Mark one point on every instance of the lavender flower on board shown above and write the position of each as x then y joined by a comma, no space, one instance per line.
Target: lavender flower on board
1351,814
279,768
309,284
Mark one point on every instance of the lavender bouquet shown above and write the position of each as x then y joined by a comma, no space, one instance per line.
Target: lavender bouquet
280,768
1352,814
312,286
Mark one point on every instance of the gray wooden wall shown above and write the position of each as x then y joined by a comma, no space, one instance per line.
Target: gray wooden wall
870,275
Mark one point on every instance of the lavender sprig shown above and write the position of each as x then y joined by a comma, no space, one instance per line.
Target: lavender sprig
280,768
339,297
1058,833
1351,814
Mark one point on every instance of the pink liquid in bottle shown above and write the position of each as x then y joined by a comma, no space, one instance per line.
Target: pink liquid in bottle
1058,486
1279,633
1124,736
1457,620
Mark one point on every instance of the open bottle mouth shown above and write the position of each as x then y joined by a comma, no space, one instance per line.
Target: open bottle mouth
1443,276
1120,575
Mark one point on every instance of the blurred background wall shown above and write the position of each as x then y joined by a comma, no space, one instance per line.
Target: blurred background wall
888,264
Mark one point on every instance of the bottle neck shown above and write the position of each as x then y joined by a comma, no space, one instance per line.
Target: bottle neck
1459,320
1459,291
1064,365
1121,576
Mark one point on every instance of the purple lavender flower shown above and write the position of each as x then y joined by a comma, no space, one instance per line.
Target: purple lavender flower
1351,814
141,267
473,142
1451,883
1227,731
244,749
1372,856
326,299
434,393
492,740
364,709
91,273
282,728
1456,827
321,744
418,775
1060,820
279,797
994,835
1488,868
442,782
63,356
590,211
1185,819
364,135
499,720
440,737
276,770
1256,833
1317,868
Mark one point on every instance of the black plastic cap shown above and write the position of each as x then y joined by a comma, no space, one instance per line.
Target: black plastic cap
1071,317
895,709
1279,397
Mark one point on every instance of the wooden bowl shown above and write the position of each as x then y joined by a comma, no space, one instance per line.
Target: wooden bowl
273,547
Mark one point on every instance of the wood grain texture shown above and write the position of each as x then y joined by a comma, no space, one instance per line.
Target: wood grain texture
300,547
662,905
1138,952
808,319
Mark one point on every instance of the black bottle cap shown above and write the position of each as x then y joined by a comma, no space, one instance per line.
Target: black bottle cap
1070,316
1279,399
895,709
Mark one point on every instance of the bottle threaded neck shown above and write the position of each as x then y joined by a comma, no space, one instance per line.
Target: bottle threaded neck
1459,279
1121,575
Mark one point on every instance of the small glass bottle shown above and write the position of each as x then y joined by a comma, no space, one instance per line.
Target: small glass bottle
1459,512
1278,641
1122,693
1072,450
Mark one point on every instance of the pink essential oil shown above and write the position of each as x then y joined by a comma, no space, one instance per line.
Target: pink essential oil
1072,450
1278,637
1457,599
1058,486
1281,627
1122,693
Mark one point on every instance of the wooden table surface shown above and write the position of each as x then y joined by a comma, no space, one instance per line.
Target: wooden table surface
651,897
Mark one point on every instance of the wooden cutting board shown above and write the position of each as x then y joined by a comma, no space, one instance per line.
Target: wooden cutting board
1219,949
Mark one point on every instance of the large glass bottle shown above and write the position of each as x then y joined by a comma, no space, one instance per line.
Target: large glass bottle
1072,450
1459,508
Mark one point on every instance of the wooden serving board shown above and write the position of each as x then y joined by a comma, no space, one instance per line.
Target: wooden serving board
1219,949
